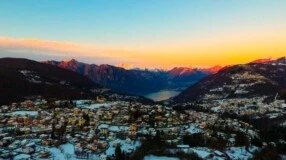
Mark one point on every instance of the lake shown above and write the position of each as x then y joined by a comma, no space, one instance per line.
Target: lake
162,95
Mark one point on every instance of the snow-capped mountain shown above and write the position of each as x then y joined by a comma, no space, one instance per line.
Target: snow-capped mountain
136,81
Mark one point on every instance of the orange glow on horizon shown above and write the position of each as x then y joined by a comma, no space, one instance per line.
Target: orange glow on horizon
225,50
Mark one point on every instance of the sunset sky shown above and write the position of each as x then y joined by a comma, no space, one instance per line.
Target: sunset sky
144,33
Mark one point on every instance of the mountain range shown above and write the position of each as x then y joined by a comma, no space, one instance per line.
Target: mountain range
136,81
258,78
21,78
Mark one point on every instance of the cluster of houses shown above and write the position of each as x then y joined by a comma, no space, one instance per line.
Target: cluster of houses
35,129
251,107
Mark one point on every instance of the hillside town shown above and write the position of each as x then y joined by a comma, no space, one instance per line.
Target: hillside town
143,80
253,108
97,129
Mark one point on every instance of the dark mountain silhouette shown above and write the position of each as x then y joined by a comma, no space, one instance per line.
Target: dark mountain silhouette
22,77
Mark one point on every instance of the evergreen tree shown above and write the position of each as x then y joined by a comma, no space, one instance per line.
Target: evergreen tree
63,130
123,155
86,118
241,139
53,132
151,121
256,142
118,153
158,139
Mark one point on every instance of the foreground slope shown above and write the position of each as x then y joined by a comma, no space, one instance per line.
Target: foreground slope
21,78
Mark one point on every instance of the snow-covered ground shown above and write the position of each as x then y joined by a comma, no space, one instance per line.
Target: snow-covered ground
193,129
56,153
201,151
238,153
204,152
98,105
118,128
23,113
152,157
68,149
31,76
82,104
217,158
124,146
254,149
114,128
22,156
64,151
216,109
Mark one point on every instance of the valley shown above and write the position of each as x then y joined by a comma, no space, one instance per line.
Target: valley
226,115
137,81
143,80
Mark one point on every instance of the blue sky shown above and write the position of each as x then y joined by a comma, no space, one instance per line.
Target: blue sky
140,25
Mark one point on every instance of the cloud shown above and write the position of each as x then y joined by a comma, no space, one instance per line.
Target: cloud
224,49
43,49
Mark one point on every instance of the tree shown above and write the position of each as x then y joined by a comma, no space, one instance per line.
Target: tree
66,104
194,140
266,153
118,153
135,115
53,131
86,118
152,121
123,155
158,139
241,139
73,131
71,102
62,130
256,142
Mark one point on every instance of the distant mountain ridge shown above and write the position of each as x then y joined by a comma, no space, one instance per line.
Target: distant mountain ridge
259,78
136,81
22,77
